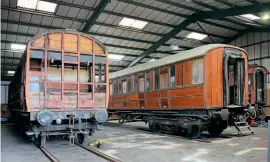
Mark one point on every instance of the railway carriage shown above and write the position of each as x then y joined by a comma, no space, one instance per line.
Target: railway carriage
205,88
257,88
60,86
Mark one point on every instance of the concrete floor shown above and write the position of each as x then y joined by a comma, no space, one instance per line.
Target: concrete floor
15,148
131,146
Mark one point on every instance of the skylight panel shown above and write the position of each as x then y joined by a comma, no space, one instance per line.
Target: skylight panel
37,5
18,47
250,17
151,60
133,23
11,72
46,6
115,57
30,4
197,36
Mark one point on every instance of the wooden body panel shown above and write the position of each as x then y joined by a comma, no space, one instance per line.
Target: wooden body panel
214,78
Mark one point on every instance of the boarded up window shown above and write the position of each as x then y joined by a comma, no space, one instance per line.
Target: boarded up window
197,71
179,74
164,78
187,73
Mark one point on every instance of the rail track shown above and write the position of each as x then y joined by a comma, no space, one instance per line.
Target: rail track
60,150
205,138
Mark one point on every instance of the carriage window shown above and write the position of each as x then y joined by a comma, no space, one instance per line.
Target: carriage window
128,85
197,71
136,81
141,84
100,67
250,81
124,85
114,87
70,72
156,77
172,76
86,68
119,86
36,60
147,81
111,89
164,75
54,66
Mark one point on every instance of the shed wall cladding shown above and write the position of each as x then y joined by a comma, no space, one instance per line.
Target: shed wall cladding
4,92
257,46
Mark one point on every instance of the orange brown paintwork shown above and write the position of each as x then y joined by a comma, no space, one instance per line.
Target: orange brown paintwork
185,95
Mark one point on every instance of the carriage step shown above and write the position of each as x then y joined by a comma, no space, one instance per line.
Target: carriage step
243,128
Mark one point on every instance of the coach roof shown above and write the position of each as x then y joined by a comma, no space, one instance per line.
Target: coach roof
183,55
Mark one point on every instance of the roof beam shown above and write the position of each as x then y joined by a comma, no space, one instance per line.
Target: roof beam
226,3
253,2
102,4
236,11
163,40
174,13
215,9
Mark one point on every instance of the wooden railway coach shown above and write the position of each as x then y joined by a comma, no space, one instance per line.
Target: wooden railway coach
257,87
205,88
60,86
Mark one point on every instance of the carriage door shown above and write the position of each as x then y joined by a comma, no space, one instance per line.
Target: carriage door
259,76
234,77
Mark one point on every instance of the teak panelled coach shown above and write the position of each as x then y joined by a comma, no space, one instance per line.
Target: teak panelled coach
60,86
257,88
205,88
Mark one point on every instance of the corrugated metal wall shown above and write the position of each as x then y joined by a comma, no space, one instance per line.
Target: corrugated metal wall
257,46
4,92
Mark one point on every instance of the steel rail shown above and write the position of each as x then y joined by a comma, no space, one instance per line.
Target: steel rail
99,153
46,152
49,155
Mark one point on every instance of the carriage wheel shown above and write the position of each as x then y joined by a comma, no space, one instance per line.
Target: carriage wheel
215,131
194,132
156,128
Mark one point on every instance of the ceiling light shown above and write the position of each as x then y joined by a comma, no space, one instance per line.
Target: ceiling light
18,47
265,17
151,60
31,4
46,6
197,36
133,23
11,72
250,16
115,57
174,47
